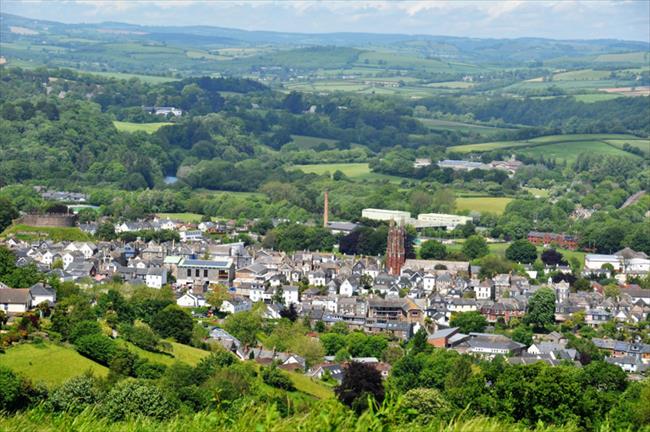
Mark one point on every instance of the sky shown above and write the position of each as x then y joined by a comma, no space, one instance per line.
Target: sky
556,19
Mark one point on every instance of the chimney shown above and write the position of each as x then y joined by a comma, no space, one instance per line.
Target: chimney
326,209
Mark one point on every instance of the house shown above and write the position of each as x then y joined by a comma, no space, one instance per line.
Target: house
205,272
595,262
547,239
14,300
236,304
190,300
333,370
349,287
489,345
191,235
446,338
42,293
156,277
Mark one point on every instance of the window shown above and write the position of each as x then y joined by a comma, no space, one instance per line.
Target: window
205,273
197,272
189,272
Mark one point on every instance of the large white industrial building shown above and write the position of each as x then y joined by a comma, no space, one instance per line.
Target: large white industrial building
424,220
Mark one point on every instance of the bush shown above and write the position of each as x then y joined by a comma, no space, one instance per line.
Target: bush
74,395
276,378
173,322
97,347
84,328
141,336
133,398
149,370
422,405
16,392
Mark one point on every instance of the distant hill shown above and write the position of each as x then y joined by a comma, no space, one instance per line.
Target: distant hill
206,37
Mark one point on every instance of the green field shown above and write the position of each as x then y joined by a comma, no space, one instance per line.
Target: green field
542,193
49,363
312,387
355,171
29,233
561,147
569,151
180,352
582,75
483,204
151,79
642,144
595,97
139,127
184,217
352,170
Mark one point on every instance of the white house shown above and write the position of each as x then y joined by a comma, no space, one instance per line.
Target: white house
156,277
317,278
86,248
429,282
41,293
190,300
484,290
291,295
347,288
597,261
14,301
234,305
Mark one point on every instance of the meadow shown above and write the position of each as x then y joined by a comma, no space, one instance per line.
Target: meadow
139,127
30,233
354,171
495,205
49,363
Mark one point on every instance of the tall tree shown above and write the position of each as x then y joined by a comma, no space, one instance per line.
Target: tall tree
541,309
361,381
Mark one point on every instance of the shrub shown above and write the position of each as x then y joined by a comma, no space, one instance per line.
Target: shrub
16,392
133,398
276,378
173,322
141,336
97,347
360,382
422,405
84,328
74,395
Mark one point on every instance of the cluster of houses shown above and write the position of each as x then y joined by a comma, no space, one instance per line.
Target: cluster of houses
332,288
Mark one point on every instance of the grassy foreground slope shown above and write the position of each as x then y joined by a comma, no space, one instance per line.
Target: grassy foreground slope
29,233
49,363
327,416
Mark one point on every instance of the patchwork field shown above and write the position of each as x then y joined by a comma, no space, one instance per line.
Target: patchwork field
561,147
483,204
139,127
569,151
49,363
641,144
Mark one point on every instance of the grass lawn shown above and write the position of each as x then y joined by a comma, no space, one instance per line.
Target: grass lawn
184,217
352,170
182,353
312,387
137,127
483,204
49,363
29,233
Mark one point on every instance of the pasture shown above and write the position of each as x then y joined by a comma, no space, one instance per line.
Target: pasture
568,151
642,144
352,170
30,233
560,147
595,97
483,204
139,127
309,386
180,352
49,363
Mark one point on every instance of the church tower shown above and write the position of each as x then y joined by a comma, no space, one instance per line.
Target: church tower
395,252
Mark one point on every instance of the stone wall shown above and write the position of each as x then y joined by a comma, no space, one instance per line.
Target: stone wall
49,220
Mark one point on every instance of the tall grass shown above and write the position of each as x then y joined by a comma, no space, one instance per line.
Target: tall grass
325,416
